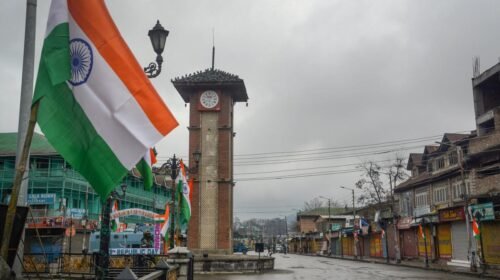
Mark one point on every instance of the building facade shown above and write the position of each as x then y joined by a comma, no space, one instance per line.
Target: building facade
60,198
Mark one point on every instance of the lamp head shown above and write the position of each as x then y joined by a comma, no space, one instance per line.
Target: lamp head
197,156
158,36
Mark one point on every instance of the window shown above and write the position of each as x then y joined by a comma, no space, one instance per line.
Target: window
406,204
429,166
453,158
414,172
42,163
458,188
421,199
440,163
440,194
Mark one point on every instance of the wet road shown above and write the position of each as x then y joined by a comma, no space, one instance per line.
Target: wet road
318,268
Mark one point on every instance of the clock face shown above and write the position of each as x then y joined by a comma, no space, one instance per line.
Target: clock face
209,99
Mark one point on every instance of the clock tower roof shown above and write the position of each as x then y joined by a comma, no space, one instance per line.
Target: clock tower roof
211,79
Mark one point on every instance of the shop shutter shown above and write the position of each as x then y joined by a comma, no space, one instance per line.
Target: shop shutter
459,241
444,241
491,242
409,243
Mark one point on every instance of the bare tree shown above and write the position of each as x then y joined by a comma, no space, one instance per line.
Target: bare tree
312,204
396,173
371,185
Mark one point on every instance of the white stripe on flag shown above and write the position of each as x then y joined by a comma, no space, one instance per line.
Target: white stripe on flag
112,110
58,14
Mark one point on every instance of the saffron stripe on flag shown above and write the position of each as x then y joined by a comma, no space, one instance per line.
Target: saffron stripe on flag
93,17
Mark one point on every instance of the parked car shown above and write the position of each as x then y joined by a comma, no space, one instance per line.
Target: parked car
240,248
279,248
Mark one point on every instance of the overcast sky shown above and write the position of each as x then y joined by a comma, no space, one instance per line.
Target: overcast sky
319,74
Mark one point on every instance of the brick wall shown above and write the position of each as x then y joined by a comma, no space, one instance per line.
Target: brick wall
485,184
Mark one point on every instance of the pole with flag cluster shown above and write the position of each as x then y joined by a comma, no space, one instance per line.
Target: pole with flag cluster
422,235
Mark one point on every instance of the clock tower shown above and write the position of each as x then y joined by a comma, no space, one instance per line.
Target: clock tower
211,95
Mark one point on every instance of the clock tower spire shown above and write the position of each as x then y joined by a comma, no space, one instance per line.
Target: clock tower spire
212,95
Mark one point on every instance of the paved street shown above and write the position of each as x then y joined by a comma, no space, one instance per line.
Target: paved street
318,268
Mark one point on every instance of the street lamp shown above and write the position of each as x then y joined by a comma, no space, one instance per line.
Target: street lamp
173,164
103,260
158,36
329,226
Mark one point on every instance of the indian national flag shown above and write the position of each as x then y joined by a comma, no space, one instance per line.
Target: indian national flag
166,225
115,223
185,189
421,231
96,106
475,228
145,167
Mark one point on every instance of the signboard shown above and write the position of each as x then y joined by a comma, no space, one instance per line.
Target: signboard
76,213
448,215
133,212
422,210
157,236
336,227
482,212
405,222
134,251
41,198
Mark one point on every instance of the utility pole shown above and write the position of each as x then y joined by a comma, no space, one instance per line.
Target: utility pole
19,194
286,235
466,210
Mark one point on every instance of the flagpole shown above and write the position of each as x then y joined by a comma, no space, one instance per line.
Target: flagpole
16,187
27,120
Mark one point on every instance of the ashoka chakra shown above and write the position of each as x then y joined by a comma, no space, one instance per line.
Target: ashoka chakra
81,61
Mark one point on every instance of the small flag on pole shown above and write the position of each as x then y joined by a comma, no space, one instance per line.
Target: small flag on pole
475,228
115,223
421,231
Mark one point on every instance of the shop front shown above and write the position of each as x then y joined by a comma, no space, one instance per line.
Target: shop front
447,218
347,242
489,228
407,237
335,243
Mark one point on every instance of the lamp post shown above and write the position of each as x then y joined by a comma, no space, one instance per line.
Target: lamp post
173,164
354,218
329,227
103,257
158,36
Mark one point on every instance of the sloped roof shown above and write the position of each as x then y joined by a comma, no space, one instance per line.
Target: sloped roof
414,160
454,137
39,145
210,78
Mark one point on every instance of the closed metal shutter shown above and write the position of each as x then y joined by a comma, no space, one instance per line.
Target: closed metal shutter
459,241
409,243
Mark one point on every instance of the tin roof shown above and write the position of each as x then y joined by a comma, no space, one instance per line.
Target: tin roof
39,145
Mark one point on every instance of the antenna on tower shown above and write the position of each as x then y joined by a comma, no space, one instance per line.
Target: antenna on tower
476,66
213,48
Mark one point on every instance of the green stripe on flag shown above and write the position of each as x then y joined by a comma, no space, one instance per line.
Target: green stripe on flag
65,124
146,173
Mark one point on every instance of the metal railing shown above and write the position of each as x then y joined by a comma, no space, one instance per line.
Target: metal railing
85,264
